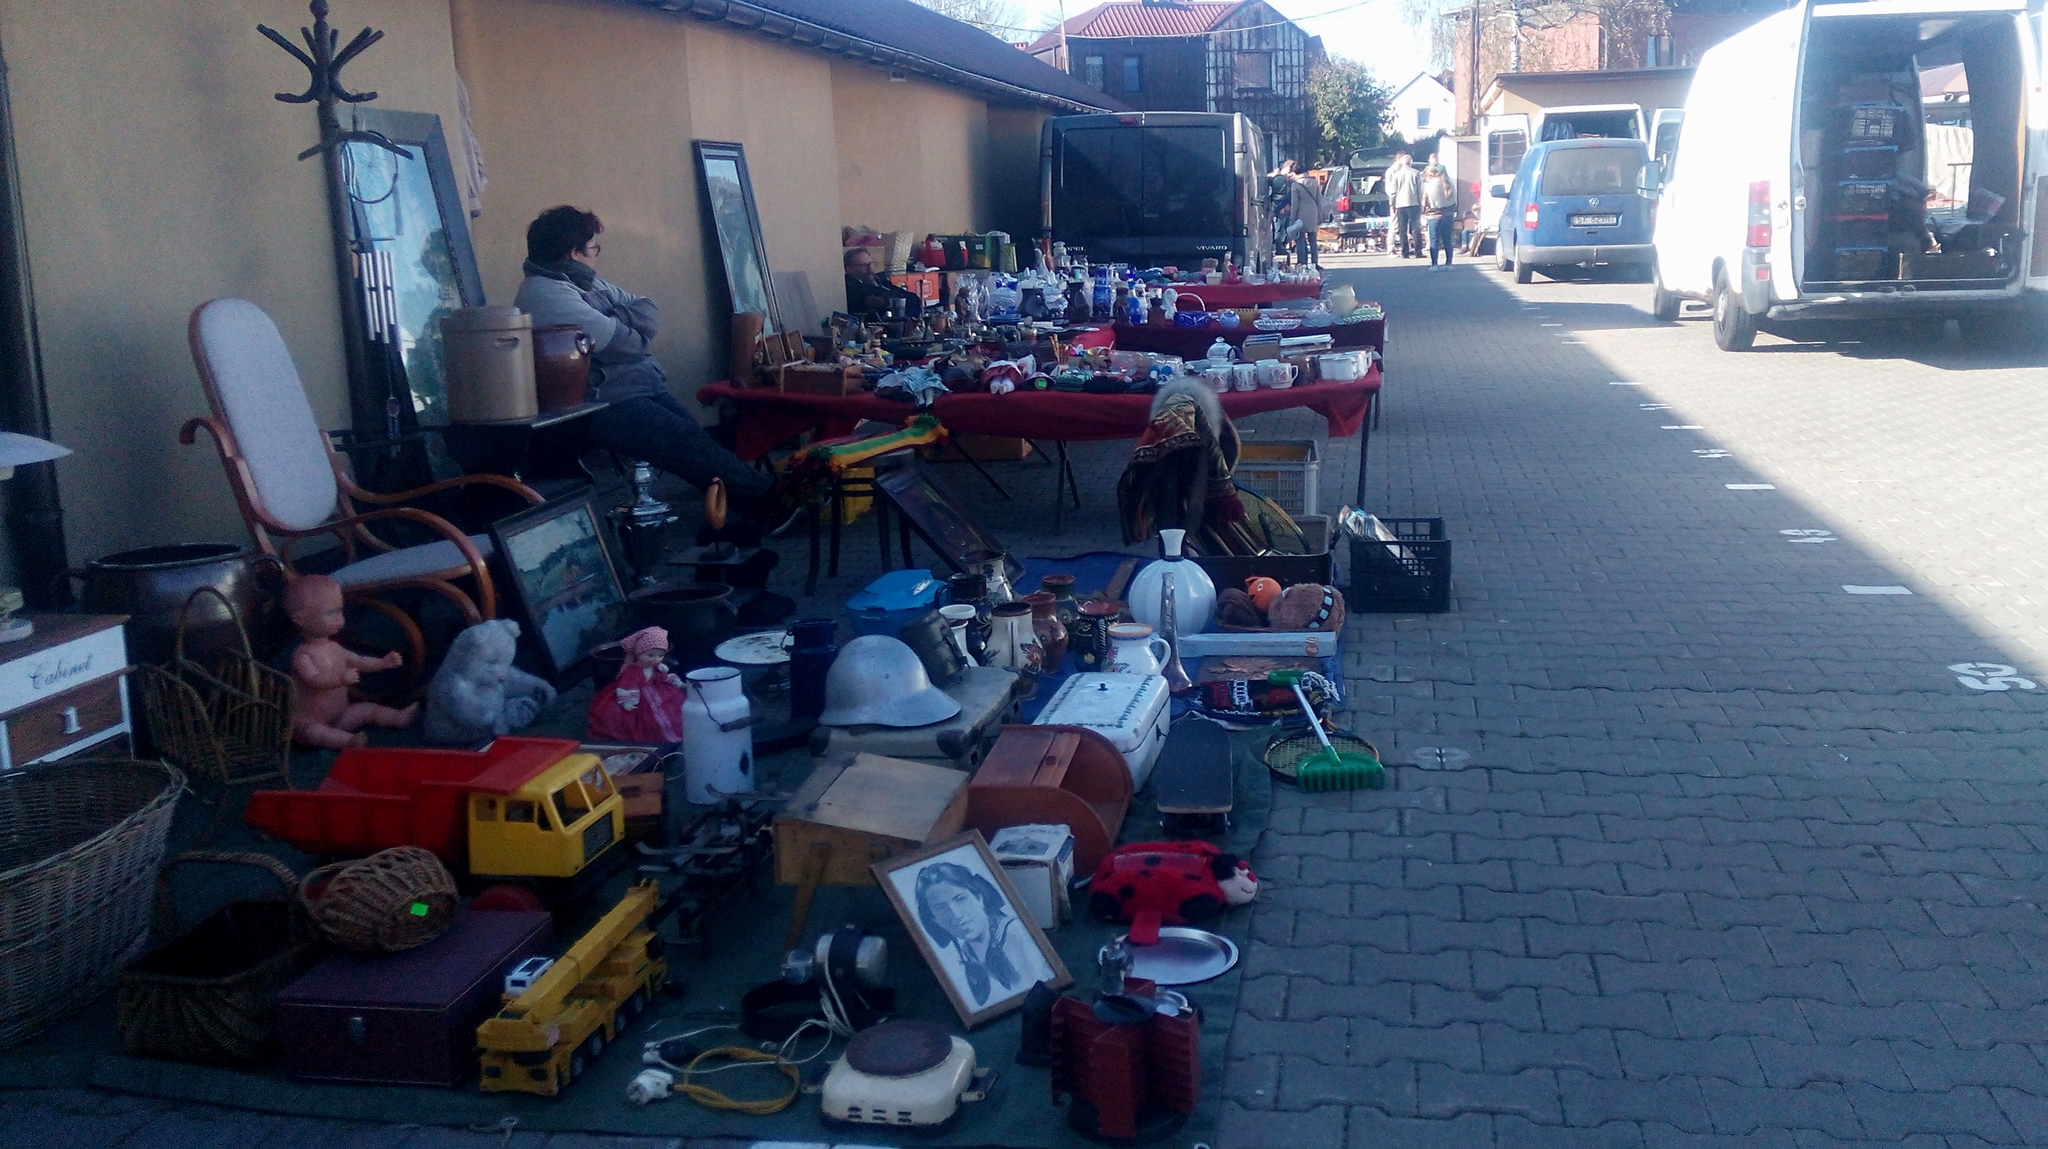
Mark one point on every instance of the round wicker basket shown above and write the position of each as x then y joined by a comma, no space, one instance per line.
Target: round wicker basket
393,900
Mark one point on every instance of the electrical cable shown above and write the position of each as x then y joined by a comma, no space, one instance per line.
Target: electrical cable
740,1057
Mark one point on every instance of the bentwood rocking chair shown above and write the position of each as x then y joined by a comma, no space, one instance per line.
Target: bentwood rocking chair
291,484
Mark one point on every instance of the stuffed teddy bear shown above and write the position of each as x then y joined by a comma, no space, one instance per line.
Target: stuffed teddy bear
477,693
1150,884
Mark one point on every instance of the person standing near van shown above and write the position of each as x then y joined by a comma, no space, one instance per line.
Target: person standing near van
1404,191
1439,211
1305,200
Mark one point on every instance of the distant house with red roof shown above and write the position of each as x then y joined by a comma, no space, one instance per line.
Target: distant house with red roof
1195,56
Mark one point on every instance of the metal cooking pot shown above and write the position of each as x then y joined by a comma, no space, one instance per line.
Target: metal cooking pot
697,615
151,585
880,681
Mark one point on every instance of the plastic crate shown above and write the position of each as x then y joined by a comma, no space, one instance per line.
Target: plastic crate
1875,121
1283,470
1287,570
1863,197
1859,231
1868,161
1854,263
1410,574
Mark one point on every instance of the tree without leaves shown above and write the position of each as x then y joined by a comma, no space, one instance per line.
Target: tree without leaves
996,17
1348,108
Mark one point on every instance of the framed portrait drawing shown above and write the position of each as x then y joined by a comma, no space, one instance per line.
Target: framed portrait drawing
970,926
563,579
729,197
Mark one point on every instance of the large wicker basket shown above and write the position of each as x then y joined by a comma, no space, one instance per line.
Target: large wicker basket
209,993
80,842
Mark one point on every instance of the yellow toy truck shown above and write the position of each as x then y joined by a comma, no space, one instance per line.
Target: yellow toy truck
534,811
546,1036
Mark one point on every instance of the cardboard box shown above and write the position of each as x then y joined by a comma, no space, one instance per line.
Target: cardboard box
1040,862
819,379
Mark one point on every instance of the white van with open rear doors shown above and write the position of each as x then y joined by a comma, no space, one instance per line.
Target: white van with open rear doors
1857,159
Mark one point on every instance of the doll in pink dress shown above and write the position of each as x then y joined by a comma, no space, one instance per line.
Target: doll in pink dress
645,702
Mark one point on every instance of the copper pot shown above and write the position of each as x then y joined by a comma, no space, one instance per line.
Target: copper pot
561,366
151,585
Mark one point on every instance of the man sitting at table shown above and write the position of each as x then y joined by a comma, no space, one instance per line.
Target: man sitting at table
643,421
868,293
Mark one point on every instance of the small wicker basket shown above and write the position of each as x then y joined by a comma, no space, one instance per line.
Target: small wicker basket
230,723
392,900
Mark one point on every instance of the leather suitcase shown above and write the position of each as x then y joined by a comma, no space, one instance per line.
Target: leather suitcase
407,1018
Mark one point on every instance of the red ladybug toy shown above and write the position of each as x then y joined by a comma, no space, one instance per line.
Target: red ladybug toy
1150,884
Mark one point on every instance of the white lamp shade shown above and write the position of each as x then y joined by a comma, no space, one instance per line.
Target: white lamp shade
19,450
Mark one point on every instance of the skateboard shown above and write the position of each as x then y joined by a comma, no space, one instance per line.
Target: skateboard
1195,778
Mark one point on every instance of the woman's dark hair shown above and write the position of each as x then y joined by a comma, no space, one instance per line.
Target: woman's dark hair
955,874
558,231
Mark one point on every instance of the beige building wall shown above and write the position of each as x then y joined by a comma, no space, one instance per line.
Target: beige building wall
157,173
901,147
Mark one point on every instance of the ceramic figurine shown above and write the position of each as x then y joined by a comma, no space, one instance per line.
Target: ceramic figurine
477,693
323,670
645,702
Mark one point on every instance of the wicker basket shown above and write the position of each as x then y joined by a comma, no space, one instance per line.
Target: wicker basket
232,723
82,840
392,900
210,993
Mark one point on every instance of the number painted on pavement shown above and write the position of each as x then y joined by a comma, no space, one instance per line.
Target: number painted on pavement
1990,676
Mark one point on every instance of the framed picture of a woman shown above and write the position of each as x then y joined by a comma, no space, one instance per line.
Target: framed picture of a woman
970,926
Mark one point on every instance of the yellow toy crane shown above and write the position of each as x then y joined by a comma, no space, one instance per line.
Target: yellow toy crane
545,1037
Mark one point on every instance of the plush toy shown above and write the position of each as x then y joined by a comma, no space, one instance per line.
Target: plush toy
645,702
323,670
1150,884
477,693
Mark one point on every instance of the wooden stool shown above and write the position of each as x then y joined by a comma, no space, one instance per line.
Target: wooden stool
1061,775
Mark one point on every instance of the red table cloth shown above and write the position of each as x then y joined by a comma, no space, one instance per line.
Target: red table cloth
1193,342
1216,296
767,418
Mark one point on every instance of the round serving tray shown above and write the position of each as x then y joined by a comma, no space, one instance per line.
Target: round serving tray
1183,956
761,648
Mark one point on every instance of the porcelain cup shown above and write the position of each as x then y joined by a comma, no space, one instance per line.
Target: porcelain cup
1218,378
1275,375
1244,376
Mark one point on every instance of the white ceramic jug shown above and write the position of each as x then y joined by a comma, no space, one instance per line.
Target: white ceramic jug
718,736
1194,593
959,616
1134,649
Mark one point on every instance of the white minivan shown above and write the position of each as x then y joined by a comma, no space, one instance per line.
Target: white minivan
1812,180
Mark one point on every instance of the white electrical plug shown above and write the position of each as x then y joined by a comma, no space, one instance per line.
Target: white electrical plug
652,1085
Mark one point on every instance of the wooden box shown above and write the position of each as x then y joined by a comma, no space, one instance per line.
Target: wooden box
866,811
407,1018
64,689
819,379
1060,775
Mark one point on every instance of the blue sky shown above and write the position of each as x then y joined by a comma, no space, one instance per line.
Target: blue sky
1373,32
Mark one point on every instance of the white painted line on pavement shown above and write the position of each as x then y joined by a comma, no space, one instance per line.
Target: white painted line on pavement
1648,406
1875,589
1540,325
1750,486
1711,452
1808,535
1683,427
1571,343
1621,384
1990,676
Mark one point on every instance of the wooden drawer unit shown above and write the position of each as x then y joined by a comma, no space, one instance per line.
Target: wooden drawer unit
64,689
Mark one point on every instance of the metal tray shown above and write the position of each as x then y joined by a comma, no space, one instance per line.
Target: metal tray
1182,957
761,648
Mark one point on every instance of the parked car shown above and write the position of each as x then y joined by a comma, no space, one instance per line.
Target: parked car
1811,182
1574,204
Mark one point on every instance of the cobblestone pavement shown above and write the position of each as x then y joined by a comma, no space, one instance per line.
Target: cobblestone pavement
1707,847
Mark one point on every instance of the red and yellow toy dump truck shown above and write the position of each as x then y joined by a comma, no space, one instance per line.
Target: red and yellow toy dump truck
534,811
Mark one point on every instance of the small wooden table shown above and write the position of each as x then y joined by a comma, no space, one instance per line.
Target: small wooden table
544,451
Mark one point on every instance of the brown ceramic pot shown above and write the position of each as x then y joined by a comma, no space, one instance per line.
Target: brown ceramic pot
1052,637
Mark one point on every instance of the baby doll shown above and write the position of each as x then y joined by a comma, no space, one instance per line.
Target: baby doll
645,702
323,670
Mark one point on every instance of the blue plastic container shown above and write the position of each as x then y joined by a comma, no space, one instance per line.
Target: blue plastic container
892,600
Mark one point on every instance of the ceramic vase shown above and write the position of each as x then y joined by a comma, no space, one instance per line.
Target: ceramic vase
994,569
1013,644
1063,605
1195,594
1045,623
961,617
1089,636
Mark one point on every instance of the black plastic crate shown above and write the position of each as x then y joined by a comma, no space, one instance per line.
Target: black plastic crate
1858,231
1411,574
1868,161
1875,121
1863,197
1856,263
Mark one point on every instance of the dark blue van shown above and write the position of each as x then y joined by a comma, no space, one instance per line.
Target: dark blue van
1574,204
